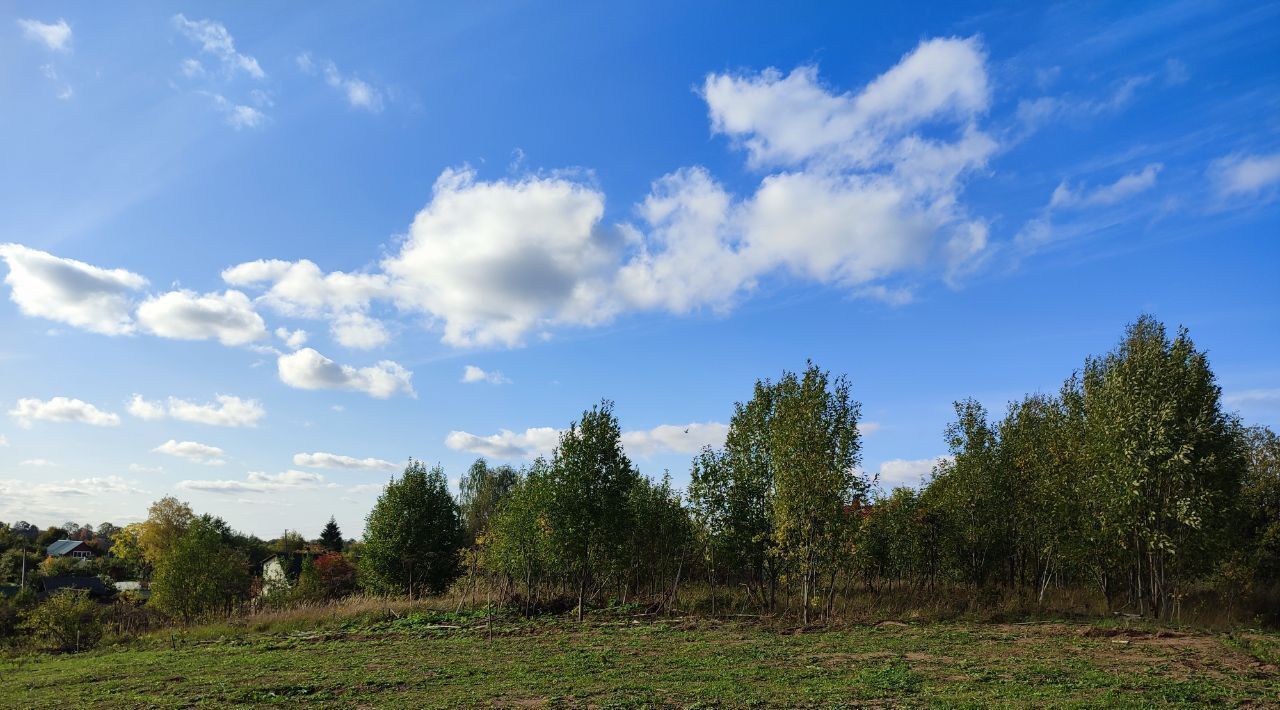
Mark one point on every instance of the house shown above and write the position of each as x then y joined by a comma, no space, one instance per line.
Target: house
134,587
75,549
280,572
96,588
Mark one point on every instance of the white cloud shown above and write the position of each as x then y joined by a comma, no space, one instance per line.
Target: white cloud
357,92
537,441
793,119
1033,113
92,486
300,289
238,116
294,339
896,473
309,370
38,463
229,411
674,438
357,330
139,468
70,291
228,317
1127,186
862,195
1254,399
214,39
55,35
257,482
143,408
1239,174
192,451
61,409
320,459
494,260
4,441
472,374
541,441
869,428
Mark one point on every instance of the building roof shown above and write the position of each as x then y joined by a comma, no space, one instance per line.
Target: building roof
64,547
93,585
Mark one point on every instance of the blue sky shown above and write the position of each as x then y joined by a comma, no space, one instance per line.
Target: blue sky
258,260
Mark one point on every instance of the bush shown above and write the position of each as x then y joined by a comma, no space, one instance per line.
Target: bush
335,575
66,621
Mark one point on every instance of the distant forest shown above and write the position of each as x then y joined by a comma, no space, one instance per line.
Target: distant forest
1130,490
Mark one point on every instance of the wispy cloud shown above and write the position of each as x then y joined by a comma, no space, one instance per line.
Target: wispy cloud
358,93
53,35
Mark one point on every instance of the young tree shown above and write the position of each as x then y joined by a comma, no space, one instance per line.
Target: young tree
67,621
591,478
335,575
482,490
1165,460
413,535
517,546
199,574
814,443
331,536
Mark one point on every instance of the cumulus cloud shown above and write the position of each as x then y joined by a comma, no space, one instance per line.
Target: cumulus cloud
143,408
70,291
61,409
472,374
4,441
53,35
1242,175
896,473
309,370
494,260
861,196
1122,189
257,482
227,317
793,119
192,451
229,411
358,93
541,441
357,330
320,459
294,339
216,41
674,438
301,289
139,468
537,441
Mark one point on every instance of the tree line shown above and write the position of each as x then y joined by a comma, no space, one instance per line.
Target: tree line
1131,483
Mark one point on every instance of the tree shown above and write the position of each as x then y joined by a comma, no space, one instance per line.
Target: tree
590,479
290,541
815,445
1165,460
67,621
200,574
167,521
331,536
335,575
413,535
517,539
481,491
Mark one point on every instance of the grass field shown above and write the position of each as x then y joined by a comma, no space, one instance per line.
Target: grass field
433,659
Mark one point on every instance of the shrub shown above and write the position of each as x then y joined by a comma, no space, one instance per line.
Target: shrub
66,621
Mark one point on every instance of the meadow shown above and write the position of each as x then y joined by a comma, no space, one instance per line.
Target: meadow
411,655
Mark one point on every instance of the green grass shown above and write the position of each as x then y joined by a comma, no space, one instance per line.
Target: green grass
418,661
